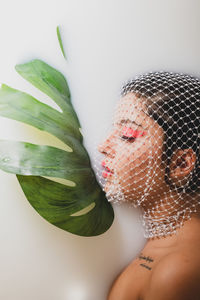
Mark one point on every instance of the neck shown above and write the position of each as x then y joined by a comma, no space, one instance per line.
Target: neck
187,234
163,217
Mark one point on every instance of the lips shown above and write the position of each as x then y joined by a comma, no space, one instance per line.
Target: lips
107,172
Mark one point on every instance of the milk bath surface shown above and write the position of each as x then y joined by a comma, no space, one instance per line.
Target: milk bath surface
106,43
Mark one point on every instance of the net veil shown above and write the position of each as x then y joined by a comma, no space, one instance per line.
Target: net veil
150,155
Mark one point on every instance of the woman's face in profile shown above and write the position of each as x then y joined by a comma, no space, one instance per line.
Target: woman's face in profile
133,151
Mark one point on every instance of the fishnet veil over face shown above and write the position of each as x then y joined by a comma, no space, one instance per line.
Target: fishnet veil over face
150,156
133,153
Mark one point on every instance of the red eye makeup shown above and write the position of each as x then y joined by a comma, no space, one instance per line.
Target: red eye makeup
131,133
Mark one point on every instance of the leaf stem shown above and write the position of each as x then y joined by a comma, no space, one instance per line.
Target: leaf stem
60,41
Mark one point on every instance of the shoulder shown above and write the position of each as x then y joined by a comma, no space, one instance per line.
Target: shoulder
176,277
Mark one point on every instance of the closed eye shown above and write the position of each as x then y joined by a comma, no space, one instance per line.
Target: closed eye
127,138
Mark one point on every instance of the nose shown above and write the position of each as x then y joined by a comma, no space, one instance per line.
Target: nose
102,147
106,148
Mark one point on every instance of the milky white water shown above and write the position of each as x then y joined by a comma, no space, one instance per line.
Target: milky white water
106,42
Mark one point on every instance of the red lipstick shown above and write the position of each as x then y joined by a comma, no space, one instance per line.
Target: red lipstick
106,174
108,171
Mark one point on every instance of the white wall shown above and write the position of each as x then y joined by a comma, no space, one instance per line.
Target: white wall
106,42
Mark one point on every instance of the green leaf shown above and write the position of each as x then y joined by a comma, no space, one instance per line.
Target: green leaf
81,209
60,41
57,203
22,107
50,81
54,201
30,159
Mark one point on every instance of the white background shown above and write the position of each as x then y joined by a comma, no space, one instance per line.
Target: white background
106,43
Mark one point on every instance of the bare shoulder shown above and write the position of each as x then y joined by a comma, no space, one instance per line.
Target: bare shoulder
176,276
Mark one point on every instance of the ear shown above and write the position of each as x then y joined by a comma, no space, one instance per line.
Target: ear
182,163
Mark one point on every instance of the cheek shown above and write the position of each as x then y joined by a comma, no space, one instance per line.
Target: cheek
131,160
139,163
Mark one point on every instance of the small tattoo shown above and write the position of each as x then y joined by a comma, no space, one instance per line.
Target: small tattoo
145,266
147,258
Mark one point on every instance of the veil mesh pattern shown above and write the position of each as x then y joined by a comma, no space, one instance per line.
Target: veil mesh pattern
150,156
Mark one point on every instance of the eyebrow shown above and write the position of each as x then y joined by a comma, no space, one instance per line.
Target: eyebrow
128,121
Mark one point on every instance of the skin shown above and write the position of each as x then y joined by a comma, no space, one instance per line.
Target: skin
129,160
172,273
167,268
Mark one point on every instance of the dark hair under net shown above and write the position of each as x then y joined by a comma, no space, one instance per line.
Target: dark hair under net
173,101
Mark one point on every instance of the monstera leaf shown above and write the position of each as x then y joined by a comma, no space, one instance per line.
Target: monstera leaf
79,207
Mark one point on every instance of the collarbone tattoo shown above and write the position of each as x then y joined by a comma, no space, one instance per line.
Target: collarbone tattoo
147,260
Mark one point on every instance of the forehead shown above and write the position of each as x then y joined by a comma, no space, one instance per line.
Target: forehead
133,108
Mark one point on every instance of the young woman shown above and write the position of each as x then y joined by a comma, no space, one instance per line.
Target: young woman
151,160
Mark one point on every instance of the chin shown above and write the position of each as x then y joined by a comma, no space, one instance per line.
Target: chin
107,186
